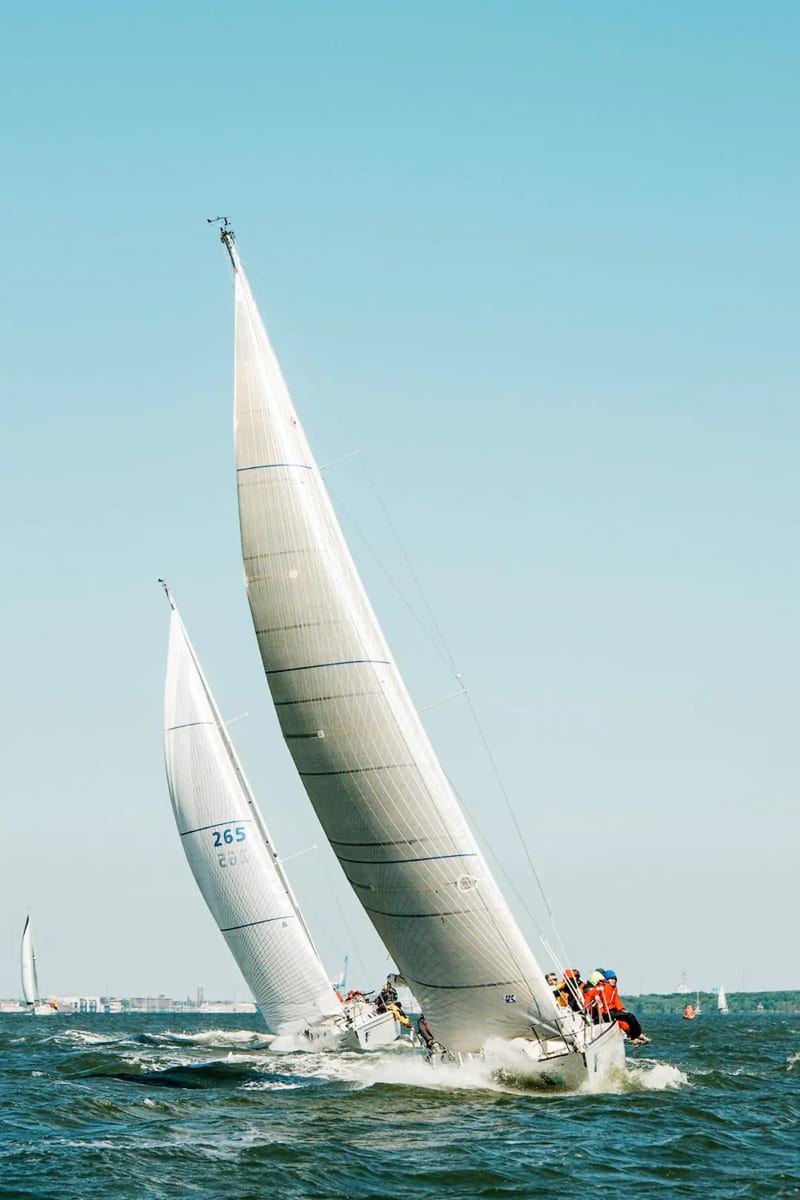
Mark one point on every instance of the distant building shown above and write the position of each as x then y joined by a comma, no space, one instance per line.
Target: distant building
88,1004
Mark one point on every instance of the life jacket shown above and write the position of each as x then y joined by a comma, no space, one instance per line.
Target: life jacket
596,1001
612,995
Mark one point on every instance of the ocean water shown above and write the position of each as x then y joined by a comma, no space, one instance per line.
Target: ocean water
152,1107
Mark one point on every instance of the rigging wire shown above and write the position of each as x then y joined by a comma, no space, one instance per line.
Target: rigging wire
443,653
446,655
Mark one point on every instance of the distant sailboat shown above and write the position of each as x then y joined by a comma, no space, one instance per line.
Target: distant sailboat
722,1002
30,977
364,757
239,874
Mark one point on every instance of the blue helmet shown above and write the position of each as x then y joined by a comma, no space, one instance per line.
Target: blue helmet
610,974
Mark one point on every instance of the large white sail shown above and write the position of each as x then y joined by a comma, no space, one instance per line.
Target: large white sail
30,981
355,736
722,1001
231,855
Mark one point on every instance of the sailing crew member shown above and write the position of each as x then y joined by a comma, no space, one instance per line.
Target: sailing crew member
431,1044
613,1003
397,1012
594,997
551,979
571,990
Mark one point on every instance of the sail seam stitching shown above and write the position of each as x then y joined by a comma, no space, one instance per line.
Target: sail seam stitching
348,662
271,466
266,921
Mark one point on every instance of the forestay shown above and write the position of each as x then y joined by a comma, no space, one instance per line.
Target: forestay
358,744
231,855
30,981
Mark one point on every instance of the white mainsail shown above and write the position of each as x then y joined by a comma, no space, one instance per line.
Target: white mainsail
30,979
358,744
722,1001
231,854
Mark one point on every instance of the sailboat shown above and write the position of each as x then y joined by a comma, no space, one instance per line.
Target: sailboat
722,1002
239,873
365,760
30,977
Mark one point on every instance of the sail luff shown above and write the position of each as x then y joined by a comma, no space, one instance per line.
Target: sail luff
244,886
243,780
356,738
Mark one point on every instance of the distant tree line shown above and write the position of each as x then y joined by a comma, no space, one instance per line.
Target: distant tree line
738,1002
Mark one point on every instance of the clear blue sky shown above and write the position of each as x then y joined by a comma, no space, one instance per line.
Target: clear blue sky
539,263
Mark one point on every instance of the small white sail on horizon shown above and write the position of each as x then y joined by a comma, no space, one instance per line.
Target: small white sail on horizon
231,854
30,976
359,745
722,1002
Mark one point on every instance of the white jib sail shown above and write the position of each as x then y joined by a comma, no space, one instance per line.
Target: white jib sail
355,736
231,855
722,1001
30,981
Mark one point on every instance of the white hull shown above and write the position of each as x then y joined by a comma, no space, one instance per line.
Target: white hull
596,1056
42,1010
358,1028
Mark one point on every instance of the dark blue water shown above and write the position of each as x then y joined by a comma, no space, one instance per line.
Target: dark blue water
151,1106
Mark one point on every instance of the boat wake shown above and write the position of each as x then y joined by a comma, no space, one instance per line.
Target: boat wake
501,1068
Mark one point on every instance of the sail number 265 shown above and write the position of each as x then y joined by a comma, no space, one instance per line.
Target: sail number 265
229,836
226,836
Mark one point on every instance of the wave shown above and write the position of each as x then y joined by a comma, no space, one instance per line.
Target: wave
213,1038
186,1075
649,1077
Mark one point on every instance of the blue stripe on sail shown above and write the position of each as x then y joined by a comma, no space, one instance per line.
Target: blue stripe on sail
218,824
266,921
271,466
349,662
390,862
189,725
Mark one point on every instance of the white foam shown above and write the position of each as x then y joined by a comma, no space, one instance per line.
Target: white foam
216,1037
502,1067
651,1077
84,1037
268,1085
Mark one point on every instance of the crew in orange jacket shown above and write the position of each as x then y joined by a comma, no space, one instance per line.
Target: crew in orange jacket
612,1004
